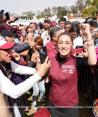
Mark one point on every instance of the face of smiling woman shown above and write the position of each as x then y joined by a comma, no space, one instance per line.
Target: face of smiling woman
64,45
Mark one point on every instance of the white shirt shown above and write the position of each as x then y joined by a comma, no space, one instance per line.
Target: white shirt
46,38
12,90
77,42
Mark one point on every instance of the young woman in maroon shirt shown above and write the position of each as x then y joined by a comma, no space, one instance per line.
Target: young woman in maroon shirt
63,94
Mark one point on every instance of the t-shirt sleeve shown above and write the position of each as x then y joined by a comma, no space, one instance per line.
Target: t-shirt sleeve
20,69
14,91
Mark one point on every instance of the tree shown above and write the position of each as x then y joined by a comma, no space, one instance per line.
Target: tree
74,9
80,5
61,11
29,14
46,12
89,11
54,11
91,8
92,2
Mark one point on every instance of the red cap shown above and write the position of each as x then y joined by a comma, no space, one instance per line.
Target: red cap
43,112
6,45
53,23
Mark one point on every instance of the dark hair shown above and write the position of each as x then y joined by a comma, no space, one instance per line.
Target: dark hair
68,22
53,31
65,33
39,40
33,23
74,28
62,19
7,33
92,23
40,24
47,20
21,47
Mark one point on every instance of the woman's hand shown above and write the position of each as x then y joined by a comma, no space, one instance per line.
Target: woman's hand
43,68
15,55
86,32
34,57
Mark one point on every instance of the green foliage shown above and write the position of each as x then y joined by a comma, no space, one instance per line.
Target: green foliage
29,14
89,11
91,8
74,9
61,11
92,2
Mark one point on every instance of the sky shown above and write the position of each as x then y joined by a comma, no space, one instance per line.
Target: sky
19,6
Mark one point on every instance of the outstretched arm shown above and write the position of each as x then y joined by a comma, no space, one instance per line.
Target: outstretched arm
14,91
19,69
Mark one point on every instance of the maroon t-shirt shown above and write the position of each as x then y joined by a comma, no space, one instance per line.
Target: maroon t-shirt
63,77
51,49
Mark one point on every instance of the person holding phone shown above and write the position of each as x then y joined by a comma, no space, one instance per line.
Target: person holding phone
10,89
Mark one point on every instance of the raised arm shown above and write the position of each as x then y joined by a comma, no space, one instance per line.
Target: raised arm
90,45
14,91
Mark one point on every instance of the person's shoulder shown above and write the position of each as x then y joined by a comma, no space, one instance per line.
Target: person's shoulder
48,44
72,56
12,62
52,58
1,73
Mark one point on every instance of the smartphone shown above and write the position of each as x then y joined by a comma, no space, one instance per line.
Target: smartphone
2,11
1,14
7,16
42,54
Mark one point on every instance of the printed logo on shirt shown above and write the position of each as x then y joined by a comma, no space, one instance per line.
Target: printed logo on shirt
68,69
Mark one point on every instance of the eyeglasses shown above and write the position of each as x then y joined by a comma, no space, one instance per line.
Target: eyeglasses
9,50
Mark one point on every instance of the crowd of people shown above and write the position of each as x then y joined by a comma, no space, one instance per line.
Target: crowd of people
34,55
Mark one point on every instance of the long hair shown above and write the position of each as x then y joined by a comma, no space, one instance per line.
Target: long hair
39,40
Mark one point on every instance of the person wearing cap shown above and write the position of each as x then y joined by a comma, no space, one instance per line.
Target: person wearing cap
10,89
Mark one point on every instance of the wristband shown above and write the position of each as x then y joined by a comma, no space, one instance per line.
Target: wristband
90,43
